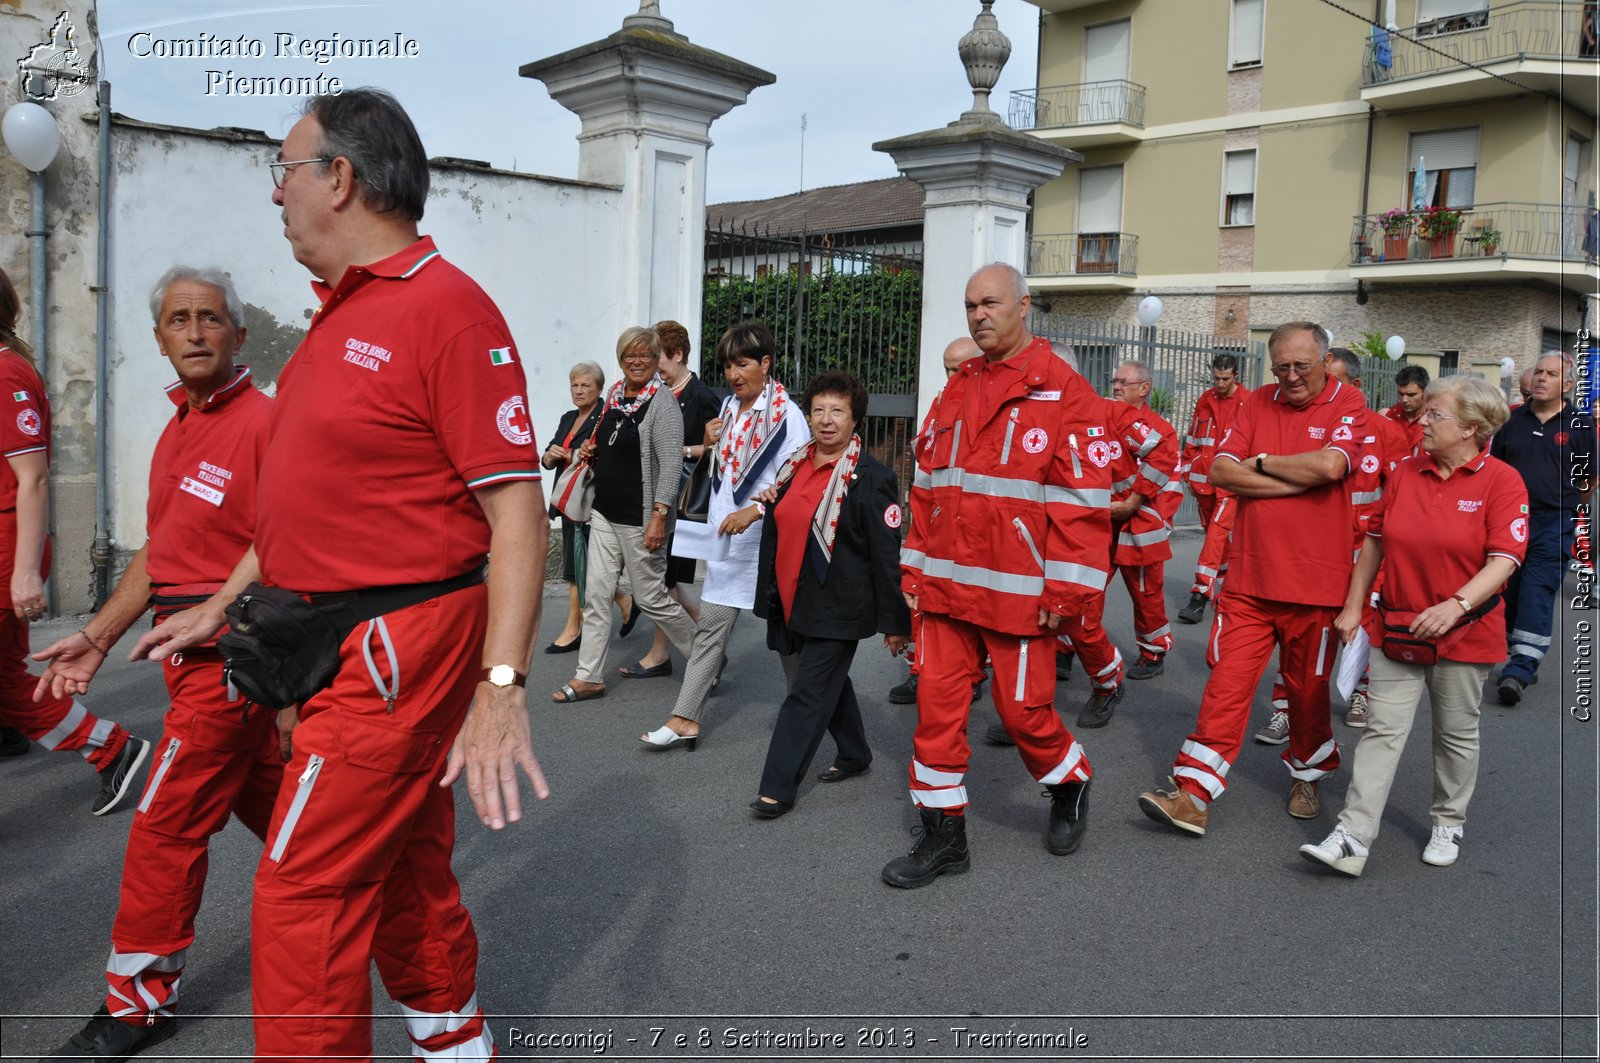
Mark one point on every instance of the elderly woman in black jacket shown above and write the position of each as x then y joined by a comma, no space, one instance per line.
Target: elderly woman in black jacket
829,577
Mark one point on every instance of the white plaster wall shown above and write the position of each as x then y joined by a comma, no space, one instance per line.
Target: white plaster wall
543,248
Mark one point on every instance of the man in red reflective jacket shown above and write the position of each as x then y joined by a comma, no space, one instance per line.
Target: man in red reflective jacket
1015,463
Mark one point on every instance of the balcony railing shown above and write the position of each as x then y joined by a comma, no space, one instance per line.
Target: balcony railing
1083,254
1544,231
1089,103
1531,29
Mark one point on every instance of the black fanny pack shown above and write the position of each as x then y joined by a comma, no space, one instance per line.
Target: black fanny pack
281,649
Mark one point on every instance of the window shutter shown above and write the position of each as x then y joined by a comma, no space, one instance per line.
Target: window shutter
1105,50
1445,149
1247,30
1428,10
1239,176
1100,199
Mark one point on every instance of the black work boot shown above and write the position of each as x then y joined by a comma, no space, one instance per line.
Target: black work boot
941,849
1069,816
107,1038
1195,610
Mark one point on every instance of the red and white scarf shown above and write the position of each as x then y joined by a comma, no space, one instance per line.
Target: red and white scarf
646,393
825,521
743,452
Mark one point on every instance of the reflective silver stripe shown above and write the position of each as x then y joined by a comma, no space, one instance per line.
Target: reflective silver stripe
956,795
1203,570
1205,755
129,964
1068,765
1072,444
1027,540
986,578
1154,475
97,737
1124,483
1311,772
160,773
1011,427
921,479
912,558
934,777
1200,441
422,1025
477,1049
1091,498
308,779
69,723
994,486
1365,498
955,442
1150,443
1208,781
1322,652
1022,672
1083,575
1199,478
1144,538
1164,629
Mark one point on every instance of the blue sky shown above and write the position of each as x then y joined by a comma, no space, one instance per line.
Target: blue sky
859,70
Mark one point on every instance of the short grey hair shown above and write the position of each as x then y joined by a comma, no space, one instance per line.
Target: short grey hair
1479,404
589,369
212,276
1019,283
1350,360
1142,370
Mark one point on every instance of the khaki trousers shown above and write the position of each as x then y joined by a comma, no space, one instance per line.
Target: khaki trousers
1455,689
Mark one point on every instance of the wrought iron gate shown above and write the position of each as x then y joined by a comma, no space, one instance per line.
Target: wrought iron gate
831,302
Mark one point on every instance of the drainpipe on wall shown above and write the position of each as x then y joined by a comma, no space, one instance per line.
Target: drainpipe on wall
100,551
1366,187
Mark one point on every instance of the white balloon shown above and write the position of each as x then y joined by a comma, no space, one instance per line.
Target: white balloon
31,135
1395,346
1149,311
1508,366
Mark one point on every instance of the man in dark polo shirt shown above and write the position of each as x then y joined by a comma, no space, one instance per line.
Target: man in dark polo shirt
1552,445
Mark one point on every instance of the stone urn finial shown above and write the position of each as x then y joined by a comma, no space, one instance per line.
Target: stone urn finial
649,16
984,51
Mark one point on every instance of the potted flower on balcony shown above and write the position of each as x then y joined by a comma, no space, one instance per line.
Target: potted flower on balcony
1489,240
1438,226
1396,228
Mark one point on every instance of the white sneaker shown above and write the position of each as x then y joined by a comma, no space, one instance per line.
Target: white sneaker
1338,850
1443,848
1276,732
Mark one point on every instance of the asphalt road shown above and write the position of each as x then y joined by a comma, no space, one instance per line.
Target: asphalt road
642,901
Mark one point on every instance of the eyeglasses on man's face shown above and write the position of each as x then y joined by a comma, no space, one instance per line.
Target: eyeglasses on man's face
280,170
1295,368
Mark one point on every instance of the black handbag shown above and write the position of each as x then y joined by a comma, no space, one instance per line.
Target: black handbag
694,497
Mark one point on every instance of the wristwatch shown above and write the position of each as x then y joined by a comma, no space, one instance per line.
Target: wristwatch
661,509
503,675
1259,458
1461,600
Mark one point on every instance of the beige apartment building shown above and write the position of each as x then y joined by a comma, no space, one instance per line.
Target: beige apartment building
1238,157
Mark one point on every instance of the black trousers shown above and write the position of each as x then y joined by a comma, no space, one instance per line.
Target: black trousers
821,699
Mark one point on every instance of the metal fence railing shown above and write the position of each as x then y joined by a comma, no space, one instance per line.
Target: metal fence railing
1179,361
1078,254
1547,231
832,302
1087,103
1530,29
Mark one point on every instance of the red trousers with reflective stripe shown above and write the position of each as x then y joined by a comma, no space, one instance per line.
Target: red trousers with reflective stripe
1145,585
1212,564
55,723
1207,505
1086,636
213,762
1244,634
1024,689
357,861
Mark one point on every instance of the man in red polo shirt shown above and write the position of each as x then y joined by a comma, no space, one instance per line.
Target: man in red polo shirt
401,455
218,755
1286,458
1409,382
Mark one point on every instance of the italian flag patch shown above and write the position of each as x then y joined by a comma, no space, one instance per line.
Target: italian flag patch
501,356
20,396
1524,509
1093,432
1348,420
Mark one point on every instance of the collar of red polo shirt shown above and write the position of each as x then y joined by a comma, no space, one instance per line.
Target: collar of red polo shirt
402,265
1430,465
240,383
1330,388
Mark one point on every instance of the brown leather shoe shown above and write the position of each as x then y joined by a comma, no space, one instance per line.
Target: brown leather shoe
1175,809
1303,800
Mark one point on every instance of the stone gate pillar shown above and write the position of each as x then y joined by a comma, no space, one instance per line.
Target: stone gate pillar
977,174
647,98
